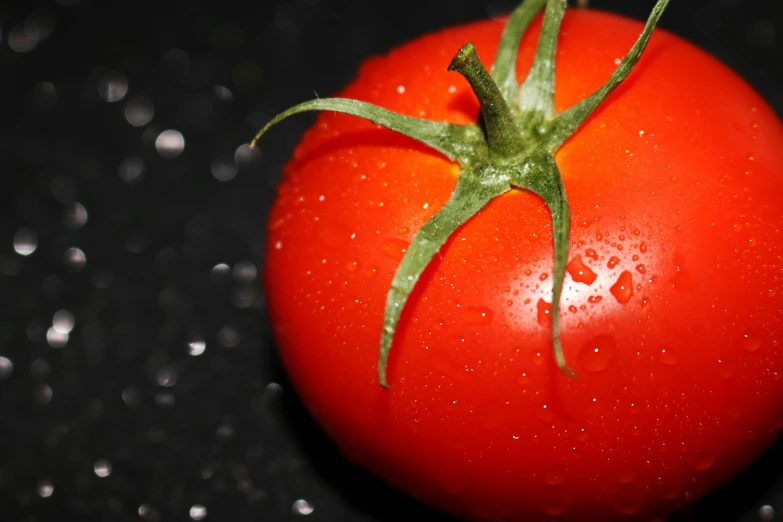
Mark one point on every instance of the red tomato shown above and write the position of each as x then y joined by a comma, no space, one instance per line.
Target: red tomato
671,310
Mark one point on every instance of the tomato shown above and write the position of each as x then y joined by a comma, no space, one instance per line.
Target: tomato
670,311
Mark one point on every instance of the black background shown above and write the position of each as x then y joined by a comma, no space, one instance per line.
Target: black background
222,429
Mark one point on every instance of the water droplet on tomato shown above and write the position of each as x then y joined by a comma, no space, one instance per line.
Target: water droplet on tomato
597,353
641,269
750,342
353,265
667,356
594,299
555,506
643,247
592,254
395,248
626,476
545,413
579,272
523,379
543,276
555,476
371,272
702,460
622,290
477,315
544,313
629,505
613,262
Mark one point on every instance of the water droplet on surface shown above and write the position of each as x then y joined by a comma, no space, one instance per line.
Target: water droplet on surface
25,241
643,247
102,468
223,168
245,272
228,337
63,321
131,170
43,393
544,313
45,488
629,505
555,506
56,339
75,259
597,353
580,272
594,299
353,265
6,368
667,356
113,86
766,513
245,157
74,216
703,460
622,290
139,111
147,512
170,143
641,269
302,507
197,512
613,261
555,476
371,272
196,347
592,254
395,248
626,476
477,315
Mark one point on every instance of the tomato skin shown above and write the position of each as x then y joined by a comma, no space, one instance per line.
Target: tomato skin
674,185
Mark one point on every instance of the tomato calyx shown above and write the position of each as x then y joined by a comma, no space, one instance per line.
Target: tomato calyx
511,148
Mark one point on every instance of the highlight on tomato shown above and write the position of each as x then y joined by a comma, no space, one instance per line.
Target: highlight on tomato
530,269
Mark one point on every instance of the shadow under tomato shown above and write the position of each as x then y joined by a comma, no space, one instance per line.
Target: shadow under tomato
741,498
363,492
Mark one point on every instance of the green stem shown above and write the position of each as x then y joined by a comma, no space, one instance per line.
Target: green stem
475,188
504,70
503,137
537,94
565,124
456,142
